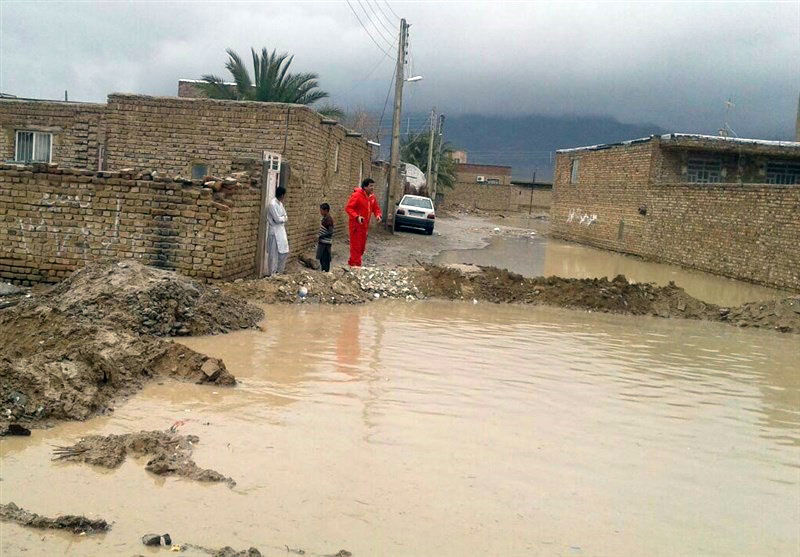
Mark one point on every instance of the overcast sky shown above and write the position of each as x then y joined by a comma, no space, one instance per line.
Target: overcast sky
672,64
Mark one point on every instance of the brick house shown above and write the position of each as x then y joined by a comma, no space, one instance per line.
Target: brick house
725,205
488,187
183,139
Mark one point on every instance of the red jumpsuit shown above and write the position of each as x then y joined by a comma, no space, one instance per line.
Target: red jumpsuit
361,204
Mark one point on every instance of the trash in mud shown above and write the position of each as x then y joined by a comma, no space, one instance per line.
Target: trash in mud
71,352
151,539
72,523
171,454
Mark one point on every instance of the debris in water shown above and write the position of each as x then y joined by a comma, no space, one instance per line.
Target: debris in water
151,539
75,524
171,454
15,429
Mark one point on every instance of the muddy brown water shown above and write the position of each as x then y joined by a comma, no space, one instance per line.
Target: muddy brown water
439,428
537,255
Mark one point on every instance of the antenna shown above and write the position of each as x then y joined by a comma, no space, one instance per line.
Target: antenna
726,130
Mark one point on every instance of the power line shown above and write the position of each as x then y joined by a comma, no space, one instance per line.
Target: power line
365,29
385,17
390,9
383,112
377,29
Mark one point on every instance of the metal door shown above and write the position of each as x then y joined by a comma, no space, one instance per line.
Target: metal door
270,176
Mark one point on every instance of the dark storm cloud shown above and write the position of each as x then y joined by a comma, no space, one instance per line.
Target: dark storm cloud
672,64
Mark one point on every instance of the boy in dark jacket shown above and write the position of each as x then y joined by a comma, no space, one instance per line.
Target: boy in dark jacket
325,239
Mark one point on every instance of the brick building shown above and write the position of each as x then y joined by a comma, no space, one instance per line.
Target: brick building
488,187
725,205
181,139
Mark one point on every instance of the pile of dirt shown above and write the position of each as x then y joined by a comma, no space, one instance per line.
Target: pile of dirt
782,315
337,287
600,294
171,453
149,301
75,524
68,353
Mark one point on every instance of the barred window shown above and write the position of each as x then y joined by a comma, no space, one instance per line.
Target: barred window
704,171
783,172
33,146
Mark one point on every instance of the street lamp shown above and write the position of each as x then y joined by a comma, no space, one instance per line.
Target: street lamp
413,79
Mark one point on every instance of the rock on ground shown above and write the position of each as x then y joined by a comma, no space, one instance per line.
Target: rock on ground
75,524
171,453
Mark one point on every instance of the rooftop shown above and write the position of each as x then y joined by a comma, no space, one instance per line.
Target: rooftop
699,141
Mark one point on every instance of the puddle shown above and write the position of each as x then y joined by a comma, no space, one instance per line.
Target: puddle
452,429
541,256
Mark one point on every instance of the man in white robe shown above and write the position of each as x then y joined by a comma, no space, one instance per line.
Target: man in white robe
277,242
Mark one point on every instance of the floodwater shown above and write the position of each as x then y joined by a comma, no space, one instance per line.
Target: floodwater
538,255
452,429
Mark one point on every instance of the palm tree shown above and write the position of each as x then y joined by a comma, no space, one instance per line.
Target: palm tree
414,149
273,82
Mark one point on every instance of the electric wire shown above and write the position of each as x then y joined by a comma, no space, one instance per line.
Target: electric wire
367,30
388,21
389,43
390,9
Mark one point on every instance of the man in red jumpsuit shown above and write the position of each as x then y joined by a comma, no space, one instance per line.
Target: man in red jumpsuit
360,207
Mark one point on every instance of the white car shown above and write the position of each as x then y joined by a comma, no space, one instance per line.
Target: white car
415,211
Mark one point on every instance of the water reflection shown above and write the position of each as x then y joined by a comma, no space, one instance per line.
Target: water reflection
537,255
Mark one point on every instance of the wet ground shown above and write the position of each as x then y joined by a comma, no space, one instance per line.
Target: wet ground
440,428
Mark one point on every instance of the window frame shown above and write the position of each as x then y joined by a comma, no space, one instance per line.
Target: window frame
703,166
193,165
574,170
782,172
33,146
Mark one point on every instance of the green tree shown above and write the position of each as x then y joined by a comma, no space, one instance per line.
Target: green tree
414,149
273,82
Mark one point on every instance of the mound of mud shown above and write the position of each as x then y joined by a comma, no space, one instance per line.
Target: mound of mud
171,454
337,287
782,315
598,294
75,524
68,353
149,301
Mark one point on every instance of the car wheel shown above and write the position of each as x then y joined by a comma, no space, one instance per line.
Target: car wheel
396,227
429,231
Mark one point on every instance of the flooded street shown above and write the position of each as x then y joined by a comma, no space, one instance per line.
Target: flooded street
538,255
443,428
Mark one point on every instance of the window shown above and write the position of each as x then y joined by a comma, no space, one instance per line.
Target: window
199,171
492,180
33,146
421,202
783,172
704,171
573,171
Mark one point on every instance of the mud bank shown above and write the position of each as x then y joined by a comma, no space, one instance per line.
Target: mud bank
70,352
171,454
75,524
468,282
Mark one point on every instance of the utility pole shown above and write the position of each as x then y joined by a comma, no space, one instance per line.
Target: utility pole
394,157
533,184
438,157
429,169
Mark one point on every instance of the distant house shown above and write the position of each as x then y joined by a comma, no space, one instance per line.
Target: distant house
726,205
459,156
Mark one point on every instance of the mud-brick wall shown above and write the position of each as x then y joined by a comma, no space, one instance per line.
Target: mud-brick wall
54,220
746,231
494,197
77,129
323,161
602,208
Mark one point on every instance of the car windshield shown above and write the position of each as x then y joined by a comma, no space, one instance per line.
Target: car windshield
421,202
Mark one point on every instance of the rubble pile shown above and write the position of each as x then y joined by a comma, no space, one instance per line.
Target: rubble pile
782,315
70,352
72,523
171,453
388,283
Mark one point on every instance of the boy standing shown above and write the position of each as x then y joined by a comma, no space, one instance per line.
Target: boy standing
325,239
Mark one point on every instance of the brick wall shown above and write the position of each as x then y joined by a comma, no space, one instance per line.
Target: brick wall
76,128
55,219
468,173
493,197
745,231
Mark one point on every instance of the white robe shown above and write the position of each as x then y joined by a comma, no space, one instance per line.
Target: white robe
276,216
